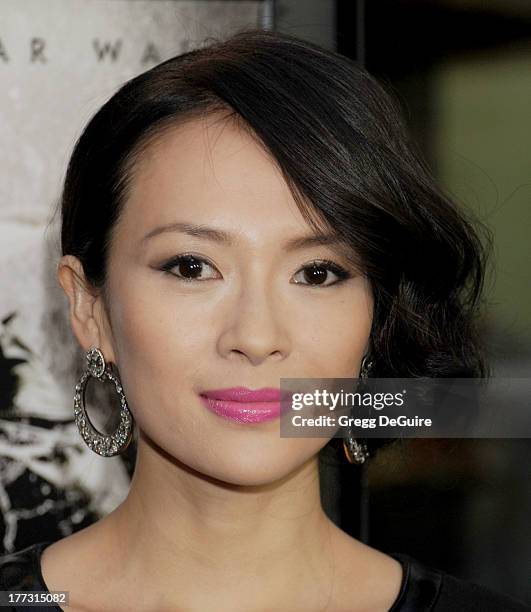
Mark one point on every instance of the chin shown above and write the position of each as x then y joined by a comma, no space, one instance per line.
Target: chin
255,468
248,478
241,461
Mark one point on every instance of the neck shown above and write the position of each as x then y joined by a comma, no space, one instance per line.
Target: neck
222,546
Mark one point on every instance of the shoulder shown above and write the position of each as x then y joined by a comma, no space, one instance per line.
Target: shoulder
472,596
430,589
20,570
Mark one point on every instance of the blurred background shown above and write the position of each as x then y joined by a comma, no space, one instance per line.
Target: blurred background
461,70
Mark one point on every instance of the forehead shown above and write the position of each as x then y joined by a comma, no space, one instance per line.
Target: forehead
206,170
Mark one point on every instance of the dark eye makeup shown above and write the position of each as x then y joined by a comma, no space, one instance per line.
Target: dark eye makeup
190,268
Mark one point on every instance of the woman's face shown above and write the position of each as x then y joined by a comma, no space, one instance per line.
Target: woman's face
248,313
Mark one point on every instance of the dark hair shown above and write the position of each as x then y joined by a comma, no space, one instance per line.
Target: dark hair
339,139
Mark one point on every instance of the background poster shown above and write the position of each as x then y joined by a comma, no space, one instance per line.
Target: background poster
59,61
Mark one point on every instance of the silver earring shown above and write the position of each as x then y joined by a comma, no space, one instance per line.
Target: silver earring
357,452
102,444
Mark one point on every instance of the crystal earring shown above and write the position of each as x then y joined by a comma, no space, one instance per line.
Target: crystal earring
357,452
102,444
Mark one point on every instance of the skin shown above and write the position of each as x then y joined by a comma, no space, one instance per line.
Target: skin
219,515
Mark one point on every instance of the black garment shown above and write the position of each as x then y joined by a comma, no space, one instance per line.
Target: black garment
424,589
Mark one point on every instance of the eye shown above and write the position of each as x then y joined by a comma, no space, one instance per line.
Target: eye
189,267
316,273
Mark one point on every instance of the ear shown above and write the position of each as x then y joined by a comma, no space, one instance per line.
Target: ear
88,316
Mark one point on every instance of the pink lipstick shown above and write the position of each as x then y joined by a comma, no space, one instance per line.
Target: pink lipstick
244,405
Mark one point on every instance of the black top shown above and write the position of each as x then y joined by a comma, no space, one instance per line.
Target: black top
423,588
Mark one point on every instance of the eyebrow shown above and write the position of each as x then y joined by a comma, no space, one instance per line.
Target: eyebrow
227,239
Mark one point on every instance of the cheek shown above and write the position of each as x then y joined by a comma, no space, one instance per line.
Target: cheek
153,323
145,332
351,339
334,334
159,348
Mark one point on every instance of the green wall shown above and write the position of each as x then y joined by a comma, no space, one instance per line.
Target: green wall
483,157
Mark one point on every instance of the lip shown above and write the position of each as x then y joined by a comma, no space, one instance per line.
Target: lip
244,405
243,394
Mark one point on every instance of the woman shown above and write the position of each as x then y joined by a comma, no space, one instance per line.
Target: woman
248,211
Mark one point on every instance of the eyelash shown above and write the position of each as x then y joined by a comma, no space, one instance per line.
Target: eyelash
340,272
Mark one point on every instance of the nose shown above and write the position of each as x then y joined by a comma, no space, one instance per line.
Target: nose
256,326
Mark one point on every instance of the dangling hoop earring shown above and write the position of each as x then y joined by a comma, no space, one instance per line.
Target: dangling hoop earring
357,452
102,444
